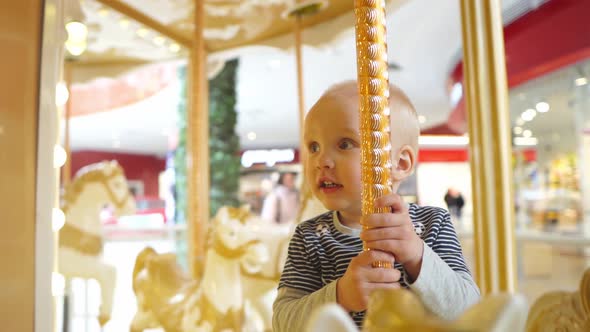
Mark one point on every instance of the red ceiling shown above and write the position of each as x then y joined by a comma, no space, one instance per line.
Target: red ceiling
555,35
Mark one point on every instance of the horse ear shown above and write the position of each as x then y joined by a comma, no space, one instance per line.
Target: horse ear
585,292
222,213
143,259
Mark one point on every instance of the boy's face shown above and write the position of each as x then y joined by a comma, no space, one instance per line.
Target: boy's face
332,142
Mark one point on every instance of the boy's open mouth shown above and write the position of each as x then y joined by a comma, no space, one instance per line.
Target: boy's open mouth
328,185
325,184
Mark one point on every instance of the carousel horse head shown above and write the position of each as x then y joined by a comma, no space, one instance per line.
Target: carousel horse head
93,187
562,311
97,185
233,236
402,310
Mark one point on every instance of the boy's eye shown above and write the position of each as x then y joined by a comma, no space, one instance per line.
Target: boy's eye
314,147
346,144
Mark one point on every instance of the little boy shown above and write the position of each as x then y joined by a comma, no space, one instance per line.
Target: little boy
325,260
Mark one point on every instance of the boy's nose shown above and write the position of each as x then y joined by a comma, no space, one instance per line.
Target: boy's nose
324,161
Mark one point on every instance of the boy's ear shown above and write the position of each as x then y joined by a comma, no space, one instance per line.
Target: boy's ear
404,163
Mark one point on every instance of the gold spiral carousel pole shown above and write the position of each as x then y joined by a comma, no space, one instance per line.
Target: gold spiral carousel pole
373,82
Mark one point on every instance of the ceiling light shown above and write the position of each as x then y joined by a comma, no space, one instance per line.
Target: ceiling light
443,140
58,219
517,130
421,118
61,94
542,107
103,12
581,81
142,32
525,141
527,133
174,48
159,40
124,23
520,122
529,114
75,49
77,34
251,135
76,30
59,156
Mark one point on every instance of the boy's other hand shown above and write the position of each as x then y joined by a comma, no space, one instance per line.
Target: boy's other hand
360,279
394,233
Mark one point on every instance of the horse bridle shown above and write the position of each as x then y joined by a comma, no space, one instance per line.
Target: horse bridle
119,203
229,253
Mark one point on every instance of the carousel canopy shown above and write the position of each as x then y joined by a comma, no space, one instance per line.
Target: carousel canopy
424,43
127,30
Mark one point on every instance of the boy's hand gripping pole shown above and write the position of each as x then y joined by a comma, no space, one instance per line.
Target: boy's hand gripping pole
373,82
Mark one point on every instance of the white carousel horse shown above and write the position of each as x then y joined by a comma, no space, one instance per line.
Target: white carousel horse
80,239
401,310
167,297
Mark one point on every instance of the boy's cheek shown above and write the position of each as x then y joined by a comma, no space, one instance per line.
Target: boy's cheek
310,176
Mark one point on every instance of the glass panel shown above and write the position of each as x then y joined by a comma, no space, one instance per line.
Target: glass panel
551,143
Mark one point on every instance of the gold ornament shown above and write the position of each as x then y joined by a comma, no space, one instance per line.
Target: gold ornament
562,311
402,310
373,81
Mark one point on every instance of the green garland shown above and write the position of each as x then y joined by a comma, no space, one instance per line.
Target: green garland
224,144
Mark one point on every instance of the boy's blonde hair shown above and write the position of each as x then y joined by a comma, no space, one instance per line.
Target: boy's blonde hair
404,124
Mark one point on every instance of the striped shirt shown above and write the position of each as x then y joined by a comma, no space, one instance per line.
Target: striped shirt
322,248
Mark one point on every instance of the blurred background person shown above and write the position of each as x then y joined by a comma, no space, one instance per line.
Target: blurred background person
282,203
455,203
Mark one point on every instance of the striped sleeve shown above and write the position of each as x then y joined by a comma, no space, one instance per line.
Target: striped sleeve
447,246
301,268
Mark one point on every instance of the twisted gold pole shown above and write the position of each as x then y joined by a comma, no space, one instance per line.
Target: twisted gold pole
373,81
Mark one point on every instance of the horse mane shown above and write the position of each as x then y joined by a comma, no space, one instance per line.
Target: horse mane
163,268
85,175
